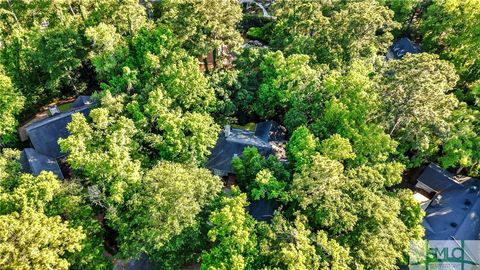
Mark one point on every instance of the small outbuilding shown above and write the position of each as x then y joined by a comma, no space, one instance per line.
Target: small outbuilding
34,163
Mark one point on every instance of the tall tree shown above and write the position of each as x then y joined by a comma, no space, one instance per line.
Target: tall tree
232,235
40,201
340,203
289,245
31,240
355,29
415,92
166,204
451,28
461,149
201,26
101,153
285,79
301,148
11,103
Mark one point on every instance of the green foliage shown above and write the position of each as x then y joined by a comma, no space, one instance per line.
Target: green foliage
232,235
253,20
354,208
249,78
41,73
11,103
451,28
202,27
176,135
141,205
250,163
336,148
225,84
266,186
135,159
358,29
256,33
283,80
101,153
31,240
350,107
44,49
462,147
416,101
301,148
40,201
166,203
289,245
403,9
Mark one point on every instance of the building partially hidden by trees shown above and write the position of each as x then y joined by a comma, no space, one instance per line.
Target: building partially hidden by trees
232,141
44,135
453,211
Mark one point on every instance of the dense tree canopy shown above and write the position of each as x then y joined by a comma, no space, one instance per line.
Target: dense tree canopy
11,103
415,93
51,215
201,27
353,128
357,29
26,243
330,198
451,28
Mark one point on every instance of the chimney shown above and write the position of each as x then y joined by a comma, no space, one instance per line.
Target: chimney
227,130
53,110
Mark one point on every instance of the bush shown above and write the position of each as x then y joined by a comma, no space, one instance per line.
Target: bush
255,33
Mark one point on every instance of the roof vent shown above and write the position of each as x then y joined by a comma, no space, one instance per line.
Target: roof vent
53,110
467,202
472,189
227,130
453,224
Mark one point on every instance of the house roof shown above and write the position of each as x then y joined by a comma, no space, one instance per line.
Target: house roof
81,101
262,130
262,210
436,178
233,145
401,47
454,213
44,134
34,163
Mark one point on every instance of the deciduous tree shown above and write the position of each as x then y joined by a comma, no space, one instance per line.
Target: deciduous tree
200,26
11,103
232,235
417,102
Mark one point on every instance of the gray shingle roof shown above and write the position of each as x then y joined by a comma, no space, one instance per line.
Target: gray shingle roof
262,130
401,47
81,101
233,145
44,134
437,178
262,210
454,213
34,163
